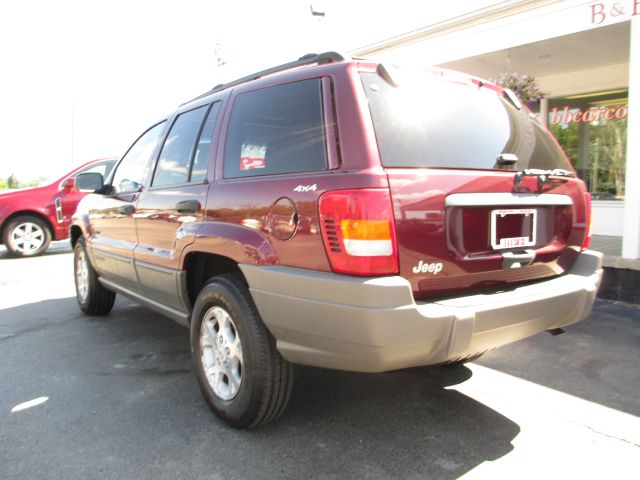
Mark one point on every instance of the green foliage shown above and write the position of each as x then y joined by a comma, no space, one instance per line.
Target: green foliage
567,136
32,183
12,182
607,155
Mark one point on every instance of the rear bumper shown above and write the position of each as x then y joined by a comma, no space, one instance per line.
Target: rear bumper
373,324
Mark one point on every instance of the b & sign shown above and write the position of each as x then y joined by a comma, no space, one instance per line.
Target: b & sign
596,114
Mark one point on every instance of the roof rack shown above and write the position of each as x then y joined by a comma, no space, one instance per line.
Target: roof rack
309,58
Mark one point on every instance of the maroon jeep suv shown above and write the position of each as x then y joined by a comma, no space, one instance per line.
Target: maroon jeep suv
339,213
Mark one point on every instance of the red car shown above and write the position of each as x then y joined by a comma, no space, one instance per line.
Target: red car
31,218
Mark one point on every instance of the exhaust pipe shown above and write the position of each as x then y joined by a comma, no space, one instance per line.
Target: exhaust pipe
556,331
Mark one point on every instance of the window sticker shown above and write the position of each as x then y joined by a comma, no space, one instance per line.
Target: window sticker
252,156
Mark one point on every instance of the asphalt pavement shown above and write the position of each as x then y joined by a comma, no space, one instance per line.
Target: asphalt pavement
116,397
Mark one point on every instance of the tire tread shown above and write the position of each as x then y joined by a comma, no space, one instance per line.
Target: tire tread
279,372
275,373
21,219
100,300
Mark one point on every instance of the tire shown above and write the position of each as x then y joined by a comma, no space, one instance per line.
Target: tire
26,236
246,383
93,298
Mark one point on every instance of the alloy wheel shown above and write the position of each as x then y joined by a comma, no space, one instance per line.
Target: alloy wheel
27,237
221,353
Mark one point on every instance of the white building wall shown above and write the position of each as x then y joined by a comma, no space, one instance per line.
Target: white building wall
631,230
610,77
608,218
504,25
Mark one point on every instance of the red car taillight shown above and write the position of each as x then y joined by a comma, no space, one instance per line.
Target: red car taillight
588,221
359,232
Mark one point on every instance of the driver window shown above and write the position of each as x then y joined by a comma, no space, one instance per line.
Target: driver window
129,175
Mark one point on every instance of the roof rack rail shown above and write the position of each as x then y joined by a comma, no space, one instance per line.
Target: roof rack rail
309,58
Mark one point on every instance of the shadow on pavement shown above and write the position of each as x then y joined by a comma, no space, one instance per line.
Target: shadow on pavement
596,359
122,392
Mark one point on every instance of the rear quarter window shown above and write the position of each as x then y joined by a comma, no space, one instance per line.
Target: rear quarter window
276,130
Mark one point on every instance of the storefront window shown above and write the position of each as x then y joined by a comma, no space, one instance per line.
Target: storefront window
592,130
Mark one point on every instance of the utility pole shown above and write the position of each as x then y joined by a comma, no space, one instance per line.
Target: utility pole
318,12
73,129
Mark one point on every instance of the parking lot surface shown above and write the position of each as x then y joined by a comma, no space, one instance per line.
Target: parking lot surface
116,397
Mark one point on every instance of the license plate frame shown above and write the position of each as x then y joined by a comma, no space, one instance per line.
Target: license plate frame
504,242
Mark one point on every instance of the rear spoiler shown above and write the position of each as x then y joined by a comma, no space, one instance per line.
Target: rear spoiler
392,78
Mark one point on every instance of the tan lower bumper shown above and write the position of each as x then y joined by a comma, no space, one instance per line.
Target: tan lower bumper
373,324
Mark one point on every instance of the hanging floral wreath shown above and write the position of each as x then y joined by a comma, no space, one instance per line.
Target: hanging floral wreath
524,86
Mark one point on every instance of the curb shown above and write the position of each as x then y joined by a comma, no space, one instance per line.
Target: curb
620,284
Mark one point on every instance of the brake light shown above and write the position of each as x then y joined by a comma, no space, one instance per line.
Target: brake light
588,221
359,232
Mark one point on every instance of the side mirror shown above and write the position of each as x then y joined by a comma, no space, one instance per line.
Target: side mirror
68,184
89,182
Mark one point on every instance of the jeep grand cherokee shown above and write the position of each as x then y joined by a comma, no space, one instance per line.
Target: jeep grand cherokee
344,214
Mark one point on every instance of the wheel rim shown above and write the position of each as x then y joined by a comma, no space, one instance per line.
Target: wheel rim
82,276
27,237
221,353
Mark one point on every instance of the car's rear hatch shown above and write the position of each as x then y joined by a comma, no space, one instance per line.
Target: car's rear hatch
483,196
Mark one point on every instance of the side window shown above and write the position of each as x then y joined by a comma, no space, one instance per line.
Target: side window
102,168
175,157
129,175
201,157
276,130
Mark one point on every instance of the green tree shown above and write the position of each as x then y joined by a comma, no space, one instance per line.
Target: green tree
567,136
12,181
32,183
608,157
3,184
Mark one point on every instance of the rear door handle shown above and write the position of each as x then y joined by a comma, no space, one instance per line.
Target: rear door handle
126,209
188,206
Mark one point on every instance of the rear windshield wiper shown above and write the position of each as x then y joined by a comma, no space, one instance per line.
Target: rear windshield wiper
544,177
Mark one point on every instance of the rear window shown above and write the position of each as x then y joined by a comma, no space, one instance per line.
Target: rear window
428,122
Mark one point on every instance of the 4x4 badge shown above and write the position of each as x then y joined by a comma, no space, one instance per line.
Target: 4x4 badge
306,188
424,267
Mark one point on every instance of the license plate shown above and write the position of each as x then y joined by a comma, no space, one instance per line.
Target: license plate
513,228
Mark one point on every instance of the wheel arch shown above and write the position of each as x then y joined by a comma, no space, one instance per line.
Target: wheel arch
220,248
27,213
201,266
75,232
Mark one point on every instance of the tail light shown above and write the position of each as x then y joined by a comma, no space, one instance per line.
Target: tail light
588,221
359,232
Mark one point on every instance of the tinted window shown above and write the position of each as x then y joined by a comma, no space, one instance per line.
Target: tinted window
173,164
102,168
201,157
434,123
129,175
276,130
